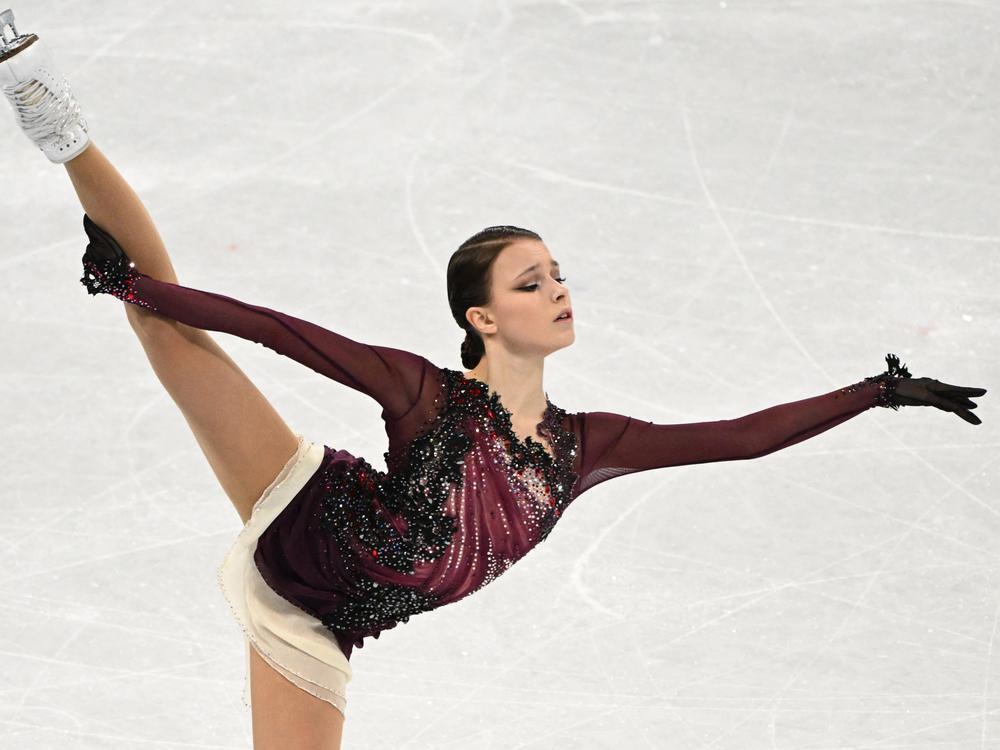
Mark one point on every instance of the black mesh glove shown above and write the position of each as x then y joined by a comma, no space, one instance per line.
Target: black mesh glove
106,267
910,391
102,246
927,392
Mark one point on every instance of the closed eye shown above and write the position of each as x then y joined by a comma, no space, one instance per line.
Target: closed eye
533,287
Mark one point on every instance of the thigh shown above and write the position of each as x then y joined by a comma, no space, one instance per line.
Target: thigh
244,439
286,717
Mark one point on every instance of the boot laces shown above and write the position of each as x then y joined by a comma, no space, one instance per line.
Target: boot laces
43,113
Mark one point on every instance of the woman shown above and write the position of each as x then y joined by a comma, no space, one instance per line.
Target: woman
480,465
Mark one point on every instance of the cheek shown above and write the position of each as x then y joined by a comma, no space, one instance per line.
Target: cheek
519,315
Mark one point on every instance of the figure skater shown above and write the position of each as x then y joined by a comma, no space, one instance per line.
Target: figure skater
480,465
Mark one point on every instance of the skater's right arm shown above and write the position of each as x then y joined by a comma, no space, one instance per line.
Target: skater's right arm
392,377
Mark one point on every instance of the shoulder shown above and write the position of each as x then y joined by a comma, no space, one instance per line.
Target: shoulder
592,419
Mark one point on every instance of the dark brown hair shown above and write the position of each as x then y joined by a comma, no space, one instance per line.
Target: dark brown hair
469,278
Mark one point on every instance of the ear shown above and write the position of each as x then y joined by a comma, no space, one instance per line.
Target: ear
479,318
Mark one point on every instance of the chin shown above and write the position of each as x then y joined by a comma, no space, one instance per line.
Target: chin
569,342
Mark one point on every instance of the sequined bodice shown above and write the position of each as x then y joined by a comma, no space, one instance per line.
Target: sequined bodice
466,500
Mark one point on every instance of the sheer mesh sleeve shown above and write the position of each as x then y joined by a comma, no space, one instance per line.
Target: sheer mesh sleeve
612,445
393,377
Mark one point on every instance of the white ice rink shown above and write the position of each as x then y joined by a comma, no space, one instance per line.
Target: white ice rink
753,201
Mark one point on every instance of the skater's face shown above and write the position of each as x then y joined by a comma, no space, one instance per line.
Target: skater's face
528,297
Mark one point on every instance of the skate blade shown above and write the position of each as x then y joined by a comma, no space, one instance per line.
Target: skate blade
11,42
18,45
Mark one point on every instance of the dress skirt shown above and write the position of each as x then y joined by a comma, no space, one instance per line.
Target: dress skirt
290,640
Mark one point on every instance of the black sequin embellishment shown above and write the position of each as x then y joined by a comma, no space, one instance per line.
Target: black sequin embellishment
887,381
115,276
378,607
395,522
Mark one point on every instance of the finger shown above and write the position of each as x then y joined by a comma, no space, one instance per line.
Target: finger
959,401
944,403
939,387
968,416
952,406
102,246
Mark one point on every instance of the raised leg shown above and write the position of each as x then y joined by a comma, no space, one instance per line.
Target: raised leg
244,439
242,436
286,717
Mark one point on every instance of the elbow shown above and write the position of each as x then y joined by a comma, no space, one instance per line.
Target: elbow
155,330
148,325
748,440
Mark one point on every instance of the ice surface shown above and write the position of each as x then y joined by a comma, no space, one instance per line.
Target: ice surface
752,202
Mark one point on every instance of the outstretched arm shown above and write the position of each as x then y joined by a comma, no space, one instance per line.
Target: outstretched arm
612,445
392,377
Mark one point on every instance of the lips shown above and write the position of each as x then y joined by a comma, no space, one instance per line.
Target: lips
565,315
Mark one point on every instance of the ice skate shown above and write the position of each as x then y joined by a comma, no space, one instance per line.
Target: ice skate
43,103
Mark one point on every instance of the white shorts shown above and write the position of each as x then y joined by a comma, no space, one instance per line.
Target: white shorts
290,640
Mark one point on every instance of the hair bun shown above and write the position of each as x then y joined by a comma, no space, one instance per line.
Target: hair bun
472,350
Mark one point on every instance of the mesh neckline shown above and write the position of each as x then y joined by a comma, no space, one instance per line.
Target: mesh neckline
501,418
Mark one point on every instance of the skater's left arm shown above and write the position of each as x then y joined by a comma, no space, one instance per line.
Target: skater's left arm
613,444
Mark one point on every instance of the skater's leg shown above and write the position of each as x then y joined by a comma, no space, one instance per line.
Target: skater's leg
114,206
244,439
242,436
286,717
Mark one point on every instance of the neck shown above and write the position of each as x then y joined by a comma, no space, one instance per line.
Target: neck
517,382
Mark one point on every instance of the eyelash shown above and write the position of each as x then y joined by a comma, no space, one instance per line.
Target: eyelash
533,287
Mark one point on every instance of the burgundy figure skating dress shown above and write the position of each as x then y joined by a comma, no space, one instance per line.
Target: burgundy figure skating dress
337,551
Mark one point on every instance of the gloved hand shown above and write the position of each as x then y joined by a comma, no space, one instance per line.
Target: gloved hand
106,267
928,392
102,246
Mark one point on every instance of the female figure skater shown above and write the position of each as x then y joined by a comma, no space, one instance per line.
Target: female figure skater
480,464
